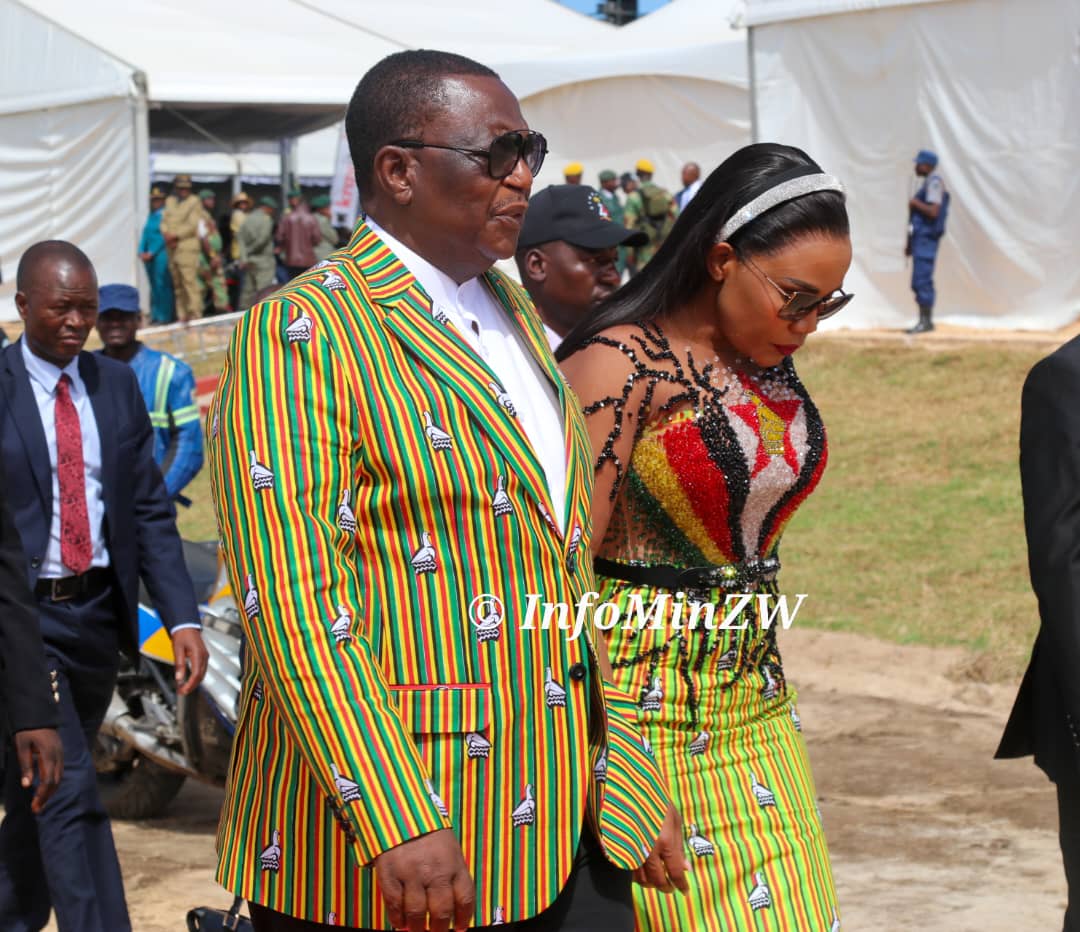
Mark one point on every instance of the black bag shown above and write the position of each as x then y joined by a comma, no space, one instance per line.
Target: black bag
205,919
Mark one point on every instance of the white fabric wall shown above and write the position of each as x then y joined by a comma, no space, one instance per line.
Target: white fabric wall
74,181
613,122
993,86
72,149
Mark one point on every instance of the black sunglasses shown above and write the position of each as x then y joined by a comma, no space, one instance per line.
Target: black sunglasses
800,304
503,153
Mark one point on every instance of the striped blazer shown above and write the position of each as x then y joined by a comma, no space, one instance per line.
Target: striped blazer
385,520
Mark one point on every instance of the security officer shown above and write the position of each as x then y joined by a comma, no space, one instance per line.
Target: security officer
168,388
572,172
180,227
257,250
566,255
927,212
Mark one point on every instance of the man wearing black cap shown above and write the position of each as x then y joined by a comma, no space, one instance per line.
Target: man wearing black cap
566,255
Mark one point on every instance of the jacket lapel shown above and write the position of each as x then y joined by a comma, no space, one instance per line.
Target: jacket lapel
521,310
105,416
444,352
23,410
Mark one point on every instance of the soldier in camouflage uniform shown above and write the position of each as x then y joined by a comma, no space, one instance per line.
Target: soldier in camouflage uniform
180,227
651,210
211,260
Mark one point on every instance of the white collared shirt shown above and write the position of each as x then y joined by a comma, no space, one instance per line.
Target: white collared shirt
44,377
552,337
483,323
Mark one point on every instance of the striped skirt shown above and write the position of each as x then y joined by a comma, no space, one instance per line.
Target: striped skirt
724,728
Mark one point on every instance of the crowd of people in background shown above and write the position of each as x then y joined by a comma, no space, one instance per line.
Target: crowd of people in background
200,262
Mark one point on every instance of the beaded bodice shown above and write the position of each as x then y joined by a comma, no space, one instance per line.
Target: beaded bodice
722,456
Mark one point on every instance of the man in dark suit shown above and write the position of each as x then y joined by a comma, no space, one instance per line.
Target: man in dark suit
94,516
1045,720
30,713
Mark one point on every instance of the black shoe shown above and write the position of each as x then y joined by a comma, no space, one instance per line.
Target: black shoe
925,324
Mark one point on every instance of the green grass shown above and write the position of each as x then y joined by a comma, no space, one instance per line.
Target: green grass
915,534
916,531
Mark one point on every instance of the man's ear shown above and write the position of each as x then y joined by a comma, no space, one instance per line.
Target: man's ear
535,264
22,304
393,173
719,261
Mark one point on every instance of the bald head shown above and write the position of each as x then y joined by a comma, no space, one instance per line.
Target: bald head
691,171
57,298
44,256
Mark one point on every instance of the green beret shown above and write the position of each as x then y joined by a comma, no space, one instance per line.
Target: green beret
205,193
607,175
268,201
320,200
295,192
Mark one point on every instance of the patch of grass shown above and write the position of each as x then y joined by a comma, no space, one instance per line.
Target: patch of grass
915,534
916,531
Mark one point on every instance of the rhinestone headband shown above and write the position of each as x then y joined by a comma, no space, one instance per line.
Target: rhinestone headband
767,200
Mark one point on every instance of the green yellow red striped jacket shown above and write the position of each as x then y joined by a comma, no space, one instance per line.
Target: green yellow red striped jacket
373,495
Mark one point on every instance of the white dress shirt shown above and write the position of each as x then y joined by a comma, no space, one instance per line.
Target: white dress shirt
483,323
552,337
44,377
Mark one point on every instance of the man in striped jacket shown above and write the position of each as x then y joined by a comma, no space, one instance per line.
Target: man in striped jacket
168,388
400,472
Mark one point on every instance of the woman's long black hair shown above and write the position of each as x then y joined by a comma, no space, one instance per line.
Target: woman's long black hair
677,272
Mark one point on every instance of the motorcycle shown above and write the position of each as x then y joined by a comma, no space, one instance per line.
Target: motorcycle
153,740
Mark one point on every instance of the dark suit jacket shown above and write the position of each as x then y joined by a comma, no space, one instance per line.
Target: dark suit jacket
25,696
140,522
1045,720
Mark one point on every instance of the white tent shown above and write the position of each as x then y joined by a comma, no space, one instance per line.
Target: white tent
72,147
671,87
993,86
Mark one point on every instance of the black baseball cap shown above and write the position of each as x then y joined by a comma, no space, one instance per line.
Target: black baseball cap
576,214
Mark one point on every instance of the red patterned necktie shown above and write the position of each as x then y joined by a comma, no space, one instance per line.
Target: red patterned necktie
76,550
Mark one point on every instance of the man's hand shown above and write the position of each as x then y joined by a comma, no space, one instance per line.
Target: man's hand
426,877
189,651
146,256
42,745
666,866
171,239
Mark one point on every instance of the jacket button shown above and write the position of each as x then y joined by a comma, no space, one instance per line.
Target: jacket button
577,672
35,563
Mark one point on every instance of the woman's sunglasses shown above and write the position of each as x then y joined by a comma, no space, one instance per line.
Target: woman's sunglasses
503,153
800,304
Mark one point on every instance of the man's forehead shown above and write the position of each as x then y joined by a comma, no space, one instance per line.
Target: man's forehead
478,102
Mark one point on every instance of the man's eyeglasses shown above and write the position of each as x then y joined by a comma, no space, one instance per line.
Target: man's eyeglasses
800,304
503,153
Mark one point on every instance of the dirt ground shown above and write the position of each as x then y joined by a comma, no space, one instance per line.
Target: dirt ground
927,831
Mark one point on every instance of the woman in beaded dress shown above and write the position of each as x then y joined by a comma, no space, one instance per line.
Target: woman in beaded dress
706,443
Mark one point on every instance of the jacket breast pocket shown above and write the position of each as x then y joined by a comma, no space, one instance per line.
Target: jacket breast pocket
430,710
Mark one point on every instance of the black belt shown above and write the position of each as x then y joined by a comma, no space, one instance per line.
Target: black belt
63,588
732,576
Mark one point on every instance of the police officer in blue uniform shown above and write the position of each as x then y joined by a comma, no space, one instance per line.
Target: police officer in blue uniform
926,225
